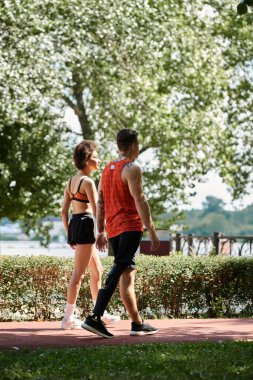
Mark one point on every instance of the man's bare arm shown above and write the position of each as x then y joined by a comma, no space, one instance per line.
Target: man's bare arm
100,209
101,240
133,177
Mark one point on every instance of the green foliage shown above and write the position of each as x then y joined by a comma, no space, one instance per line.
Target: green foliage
215,218
176,286
180,73
187,361
213,204
34,162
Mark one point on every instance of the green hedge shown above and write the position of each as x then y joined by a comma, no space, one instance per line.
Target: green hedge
33,288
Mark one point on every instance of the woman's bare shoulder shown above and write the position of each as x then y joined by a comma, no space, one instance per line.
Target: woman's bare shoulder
88,184
88,180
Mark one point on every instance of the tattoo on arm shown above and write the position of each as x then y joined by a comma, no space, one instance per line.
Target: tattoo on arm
129,165
100,212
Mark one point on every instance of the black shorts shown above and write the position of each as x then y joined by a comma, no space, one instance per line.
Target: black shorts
124,247
81,229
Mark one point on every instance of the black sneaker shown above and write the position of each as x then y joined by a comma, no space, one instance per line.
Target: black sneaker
96,326
142,329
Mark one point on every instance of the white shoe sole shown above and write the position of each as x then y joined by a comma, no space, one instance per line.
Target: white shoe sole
109,321
71,325
72,328
94,331
143,332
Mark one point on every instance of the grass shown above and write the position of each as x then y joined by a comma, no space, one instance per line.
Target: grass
208,360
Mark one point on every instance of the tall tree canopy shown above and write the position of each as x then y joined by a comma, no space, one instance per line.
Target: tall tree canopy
179,73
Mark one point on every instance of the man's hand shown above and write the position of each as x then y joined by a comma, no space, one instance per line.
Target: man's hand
155,242
101,243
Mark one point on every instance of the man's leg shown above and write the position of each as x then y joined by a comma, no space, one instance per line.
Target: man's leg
112,279
96,271
105,294
127,294
124,248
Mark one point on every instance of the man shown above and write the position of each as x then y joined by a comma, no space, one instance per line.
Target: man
121,202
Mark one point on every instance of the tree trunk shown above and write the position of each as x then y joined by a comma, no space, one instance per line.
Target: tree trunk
79,108
78,88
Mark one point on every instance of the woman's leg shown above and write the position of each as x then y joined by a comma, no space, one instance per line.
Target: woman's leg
82,257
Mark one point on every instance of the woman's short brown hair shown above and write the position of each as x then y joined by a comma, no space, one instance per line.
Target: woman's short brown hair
82,153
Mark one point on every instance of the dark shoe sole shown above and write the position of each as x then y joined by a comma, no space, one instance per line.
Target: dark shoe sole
143,332
94,331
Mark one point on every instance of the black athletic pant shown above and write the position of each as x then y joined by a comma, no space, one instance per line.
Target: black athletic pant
124,247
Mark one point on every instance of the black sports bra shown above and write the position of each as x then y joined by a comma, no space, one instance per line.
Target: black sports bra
79,197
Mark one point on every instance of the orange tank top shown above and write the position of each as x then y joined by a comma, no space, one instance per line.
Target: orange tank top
120,211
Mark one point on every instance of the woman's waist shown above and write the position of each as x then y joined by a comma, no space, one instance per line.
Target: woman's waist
82,214
81,210
77,213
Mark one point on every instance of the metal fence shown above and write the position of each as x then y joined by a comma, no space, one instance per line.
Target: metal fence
196,245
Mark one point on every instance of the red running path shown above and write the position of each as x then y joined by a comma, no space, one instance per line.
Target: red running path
16,335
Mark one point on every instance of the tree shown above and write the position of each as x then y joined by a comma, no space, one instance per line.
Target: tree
213,204
167,69
213,217
34,163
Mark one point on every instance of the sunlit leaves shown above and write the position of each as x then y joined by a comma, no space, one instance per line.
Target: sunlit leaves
178,72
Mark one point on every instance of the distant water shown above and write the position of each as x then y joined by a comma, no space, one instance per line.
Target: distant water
33,248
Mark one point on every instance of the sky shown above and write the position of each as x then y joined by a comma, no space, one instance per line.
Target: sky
215,187
212,184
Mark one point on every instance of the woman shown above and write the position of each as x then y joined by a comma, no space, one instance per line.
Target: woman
81,194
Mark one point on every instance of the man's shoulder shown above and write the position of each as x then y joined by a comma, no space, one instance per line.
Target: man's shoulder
130,164
120,164
131,169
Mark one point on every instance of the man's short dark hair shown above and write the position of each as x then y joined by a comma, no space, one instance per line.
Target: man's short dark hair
125,138
82,153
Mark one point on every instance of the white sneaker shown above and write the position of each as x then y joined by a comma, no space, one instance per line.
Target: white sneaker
71,324
110,318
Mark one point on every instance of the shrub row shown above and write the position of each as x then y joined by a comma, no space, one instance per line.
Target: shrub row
34,288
